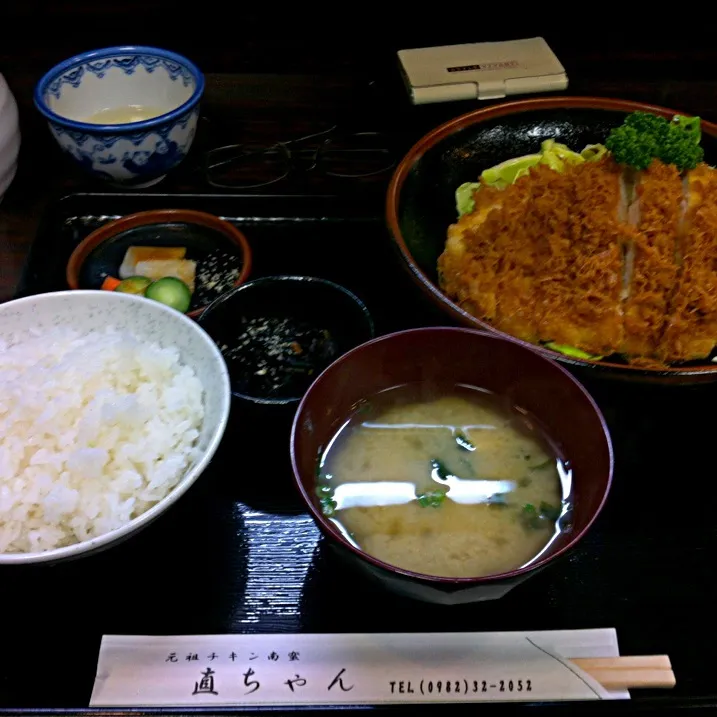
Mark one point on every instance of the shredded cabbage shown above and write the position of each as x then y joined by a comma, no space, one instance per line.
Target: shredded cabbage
552,153
572,351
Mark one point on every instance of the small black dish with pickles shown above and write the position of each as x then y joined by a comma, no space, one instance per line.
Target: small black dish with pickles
184,258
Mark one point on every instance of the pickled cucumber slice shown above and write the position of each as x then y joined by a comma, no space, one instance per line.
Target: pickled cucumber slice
133,285
170,291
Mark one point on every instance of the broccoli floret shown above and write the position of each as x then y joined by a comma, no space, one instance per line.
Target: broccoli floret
647,123
690,125
629,146
681,146
644,137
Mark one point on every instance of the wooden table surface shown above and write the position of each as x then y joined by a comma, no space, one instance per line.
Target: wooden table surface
308,94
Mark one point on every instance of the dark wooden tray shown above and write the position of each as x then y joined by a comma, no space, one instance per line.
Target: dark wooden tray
238,554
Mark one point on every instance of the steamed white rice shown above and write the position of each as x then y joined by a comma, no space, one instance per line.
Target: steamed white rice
94,430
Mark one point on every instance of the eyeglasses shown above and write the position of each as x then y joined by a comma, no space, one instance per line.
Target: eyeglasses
354,155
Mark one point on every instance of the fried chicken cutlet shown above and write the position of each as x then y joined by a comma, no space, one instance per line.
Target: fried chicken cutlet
595,257
691,328
474,286
549,251
651,264
580,299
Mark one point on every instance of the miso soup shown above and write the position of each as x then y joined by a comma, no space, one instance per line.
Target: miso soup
445,481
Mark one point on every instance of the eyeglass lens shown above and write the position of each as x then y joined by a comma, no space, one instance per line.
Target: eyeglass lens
247,166
363,154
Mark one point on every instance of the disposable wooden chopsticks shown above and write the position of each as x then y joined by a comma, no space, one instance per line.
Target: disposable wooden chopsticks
629,672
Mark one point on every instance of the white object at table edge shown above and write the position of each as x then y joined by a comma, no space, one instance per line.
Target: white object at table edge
9,136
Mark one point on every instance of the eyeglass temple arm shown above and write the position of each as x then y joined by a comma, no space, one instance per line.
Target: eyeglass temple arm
314,135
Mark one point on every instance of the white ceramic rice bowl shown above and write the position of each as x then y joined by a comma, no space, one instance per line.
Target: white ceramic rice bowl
96,310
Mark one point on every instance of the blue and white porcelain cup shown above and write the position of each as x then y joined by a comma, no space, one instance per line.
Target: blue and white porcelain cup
125,114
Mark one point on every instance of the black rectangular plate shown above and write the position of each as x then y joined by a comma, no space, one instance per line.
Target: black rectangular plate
239,555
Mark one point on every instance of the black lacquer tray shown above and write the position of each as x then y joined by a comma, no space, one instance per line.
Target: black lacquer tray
239,555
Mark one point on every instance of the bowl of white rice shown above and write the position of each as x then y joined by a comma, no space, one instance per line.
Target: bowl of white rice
111,406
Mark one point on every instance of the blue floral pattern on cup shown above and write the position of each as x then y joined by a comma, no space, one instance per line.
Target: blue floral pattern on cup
128,65
133,158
